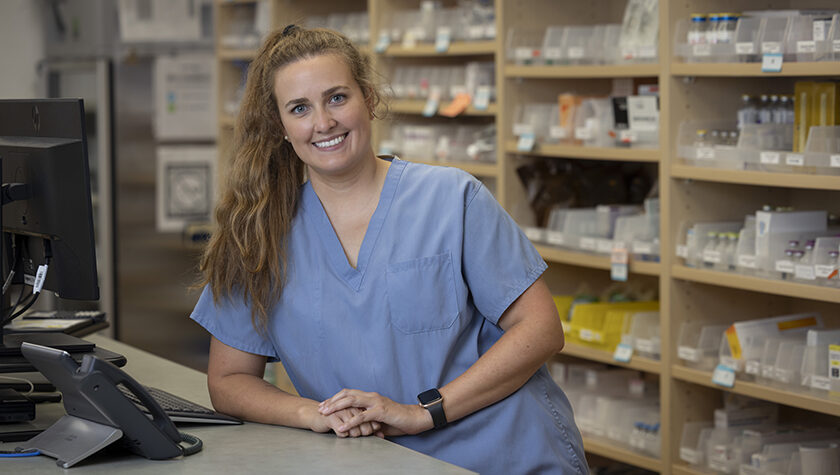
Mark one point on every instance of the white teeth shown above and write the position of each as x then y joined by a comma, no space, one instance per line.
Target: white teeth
331,143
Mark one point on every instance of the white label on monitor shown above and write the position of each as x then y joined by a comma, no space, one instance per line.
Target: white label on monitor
769,158
682,251
555,237
752,367
39,279
701,49
688,353
795,160
747,261
705,153
745,48
804,272
823,271
771,47
834,161
576,52
587,244
806,46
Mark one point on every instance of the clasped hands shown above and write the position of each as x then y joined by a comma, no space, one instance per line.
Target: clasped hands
354,413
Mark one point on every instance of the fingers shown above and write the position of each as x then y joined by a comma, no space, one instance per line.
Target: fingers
347,398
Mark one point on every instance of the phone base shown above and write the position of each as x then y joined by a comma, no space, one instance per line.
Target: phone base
72,439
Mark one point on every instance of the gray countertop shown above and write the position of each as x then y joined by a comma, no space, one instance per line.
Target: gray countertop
247,448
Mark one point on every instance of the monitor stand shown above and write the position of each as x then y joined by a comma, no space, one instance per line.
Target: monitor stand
11,342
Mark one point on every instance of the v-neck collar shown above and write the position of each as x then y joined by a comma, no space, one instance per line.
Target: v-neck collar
329,238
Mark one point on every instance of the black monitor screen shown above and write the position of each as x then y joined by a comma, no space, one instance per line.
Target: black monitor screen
43,145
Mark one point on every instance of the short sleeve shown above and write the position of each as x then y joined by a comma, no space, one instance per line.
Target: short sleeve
230,322
499,262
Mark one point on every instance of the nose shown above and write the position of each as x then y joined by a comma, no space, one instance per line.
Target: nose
324,121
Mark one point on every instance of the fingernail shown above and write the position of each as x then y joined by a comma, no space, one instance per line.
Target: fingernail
342,429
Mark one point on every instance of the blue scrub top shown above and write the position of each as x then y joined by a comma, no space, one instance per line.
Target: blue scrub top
440,263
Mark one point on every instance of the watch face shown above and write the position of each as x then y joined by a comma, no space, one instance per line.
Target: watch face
428,397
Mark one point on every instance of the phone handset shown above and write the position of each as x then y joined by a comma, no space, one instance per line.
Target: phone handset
118,376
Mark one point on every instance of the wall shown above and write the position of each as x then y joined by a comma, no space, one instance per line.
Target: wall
21,48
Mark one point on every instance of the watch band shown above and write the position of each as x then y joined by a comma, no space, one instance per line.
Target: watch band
433,402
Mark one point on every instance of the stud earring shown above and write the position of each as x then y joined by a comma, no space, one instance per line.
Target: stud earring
286,137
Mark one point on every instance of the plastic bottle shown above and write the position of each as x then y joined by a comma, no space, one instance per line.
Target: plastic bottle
833,279
726,28
709,249
765,114
712,28
697,29
733,138
721,248
776,112
714,138
732,252
788,114
748,113
700,138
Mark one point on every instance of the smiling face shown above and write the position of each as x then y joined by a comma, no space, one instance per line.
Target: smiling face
324,114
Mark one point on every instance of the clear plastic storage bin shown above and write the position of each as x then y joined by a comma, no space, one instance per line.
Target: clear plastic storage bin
699,344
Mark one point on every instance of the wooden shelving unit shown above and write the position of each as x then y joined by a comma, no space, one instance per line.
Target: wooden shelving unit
687,91
750,177
583,72
588,153
637,362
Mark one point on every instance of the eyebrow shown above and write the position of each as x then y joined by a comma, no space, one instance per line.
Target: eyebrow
326,93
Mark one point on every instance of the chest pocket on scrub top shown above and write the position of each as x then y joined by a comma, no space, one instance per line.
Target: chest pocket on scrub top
421,294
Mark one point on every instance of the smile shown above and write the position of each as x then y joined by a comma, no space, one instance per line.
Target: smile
332,142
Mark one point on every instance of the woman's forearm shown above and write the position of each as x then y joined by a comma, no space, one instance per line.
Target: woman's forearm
254,399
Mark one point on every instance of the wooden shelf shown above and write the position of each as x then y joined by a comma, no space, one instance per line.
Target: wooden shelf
236,54
823,68
679,469
473,168
589,153
595,261
462,48
598,71
760,391
750,177
756,284
637,362
412,106
609,449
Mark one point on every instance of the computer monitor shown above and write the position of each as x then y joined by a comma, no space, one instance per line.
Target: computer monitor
46,214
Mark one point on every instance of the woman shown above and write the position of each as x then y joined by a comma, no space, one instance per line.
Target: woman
375,282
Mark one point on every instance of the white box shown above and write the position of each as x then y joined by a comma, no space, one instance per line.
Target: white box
746,339
185,97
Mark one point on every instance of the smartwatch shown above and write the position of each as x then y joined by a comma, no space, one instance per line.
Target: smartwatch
433,402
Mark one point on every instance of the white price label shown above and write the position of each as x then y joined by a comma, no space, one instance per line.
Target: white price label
823,271
604,246
795,160
771,47
745,48
555,237
640,247
535,234
688,353
820,382
553,54
768,372
785,266
806,46
769,158
835,46
576,52
588,244
724,376
647,51
804,272
772,63
475,32
526,142
747,262
682,251
645,346
523,54
711,256
623,353
443,39
589,335
705,153
834,161
628,136
557,132
701,49
752,367
583,133
619,272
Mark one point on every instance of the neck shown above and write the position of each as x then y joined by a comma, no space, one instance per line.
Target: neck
352,187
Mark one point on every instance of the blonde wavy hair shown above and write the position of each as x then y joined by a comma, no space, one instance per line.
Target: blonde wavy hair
246,254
